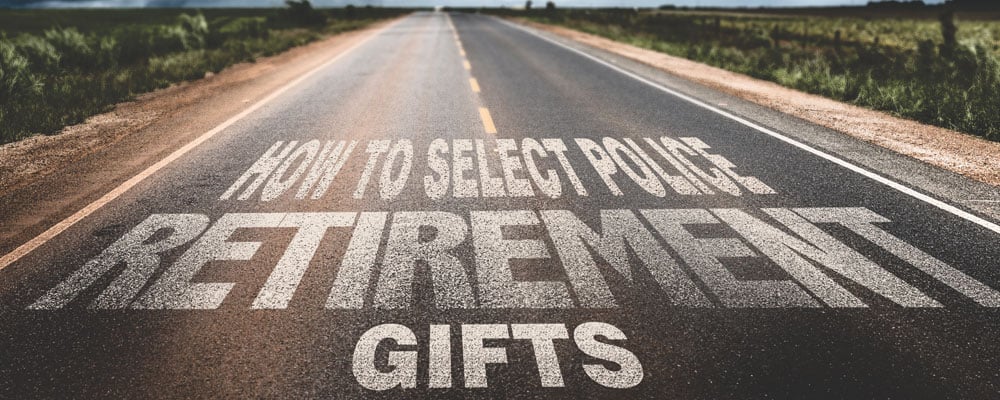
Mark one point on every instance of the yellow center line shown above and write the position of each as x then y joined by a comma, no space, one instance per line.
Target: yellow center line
487,120
484,113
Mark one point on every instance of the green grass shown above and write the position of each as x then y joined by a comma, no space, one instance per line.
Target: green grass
901,65
58,67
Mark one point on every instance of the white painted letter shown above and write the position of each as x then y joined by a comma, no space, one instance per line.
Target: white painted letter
630,372
403,364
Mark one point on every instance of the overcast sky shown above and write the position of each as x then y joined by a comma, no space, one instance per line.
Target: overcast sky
415,3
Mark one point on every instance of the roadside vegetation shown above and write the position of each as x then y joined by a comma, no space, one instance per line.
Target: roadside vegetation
926,64
58,67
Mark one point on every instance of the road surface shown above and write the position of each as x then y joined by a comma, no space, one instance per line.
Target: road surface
460,207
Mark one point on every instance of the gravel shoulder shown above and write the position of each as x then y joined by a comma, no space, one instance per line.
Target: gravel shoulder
971,156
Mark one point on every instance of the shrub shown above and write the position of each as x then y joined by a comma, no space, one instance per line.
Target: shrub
18,89
168,39
248,27
178,66
16,79
196,29
134,43
107,52
74,48
63,76
41,55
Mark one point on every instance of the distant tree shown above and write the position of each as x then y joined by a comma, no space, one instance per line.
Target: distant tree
350,10
975,5
302,12
896,4
298,6
527,5
550,6
949,32
668,7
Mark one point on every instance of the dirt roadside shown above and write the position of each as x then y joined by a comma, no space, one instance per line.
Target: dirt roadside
213,98
968,155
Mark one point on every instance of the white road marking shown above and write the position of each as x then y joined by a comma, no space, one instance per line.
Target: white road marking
477,354
790,238
61,226
829,157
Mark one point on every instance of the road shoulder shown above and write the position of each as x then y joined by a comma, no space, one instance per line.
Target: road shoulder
46,178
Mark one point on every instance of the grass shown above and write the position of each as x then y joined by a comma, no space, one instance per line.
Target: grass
58,67
903,65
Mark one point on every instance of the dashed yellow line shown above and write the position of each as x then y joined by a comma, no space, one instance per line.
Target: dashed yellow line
484,113
487,120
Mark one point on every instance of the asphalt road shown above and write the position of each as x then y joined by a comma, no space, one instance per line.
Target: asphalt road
464,208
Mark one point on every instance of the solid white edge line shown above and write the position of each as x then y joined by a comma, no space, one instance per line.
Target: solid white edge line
61,226
829,157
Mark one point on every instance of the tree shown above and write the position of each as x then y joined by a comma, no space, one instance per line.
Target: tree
302,12
949,32
550,7
527,5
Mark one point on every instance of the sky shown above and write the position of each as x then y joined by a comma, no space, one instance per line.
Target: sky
424,3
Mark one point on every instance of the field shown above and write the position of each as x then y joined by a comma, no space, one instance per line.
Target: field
57,67
916,64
